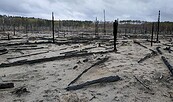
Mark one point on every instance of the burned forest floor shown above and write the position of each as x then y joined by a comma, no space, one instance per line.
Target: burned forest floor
41,71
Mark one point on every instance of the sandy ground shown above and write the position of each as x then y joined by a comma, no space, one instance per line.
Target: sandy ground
46,81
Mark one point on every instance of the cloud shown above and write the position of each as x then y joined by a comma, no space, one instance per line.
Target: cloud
90,9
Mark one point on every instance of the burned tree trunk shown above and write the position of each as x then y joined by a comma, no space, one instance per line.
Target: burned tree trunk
14,29
115,29
142,83
6,85
168,49
158,27
152,34
96,28
158,50
53,32
8,35
5,52
140,44
104,30
167,64
148,56
28,55
49,59
97,63
101,80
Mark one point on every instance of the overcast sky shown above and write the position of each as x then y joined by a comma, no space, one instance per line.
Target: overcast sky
90,9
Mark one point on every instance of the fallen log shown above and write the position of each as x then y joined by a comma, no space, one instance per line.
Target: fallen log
23,46
29,55
48,42
97,63
12,39
69,52
76,53
167,64
142,83
170,45
50,59
3,50
101,80
139,44
149,55
88,48
14,80
168,49
153,51
2,53
6,85
63,49
27,43
32,48
158,50
28,46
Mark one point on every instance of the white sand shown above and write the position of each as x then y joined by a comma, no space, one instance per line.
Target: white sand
46,81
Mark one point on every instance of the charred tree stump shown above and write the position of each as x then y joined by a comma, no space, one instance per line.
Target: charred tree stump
167,64
104,30
125,32
6,85
152,34
26,26
14,30
3,25
101,80
53,32
158,27
96,28
8,36
115,29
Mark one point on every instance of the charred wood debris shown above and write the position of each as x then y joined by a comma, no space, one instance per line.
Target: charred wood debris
77,53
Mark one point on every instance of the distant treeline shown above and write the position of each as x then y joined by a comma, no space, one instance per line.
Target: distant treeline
8,22
36,24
